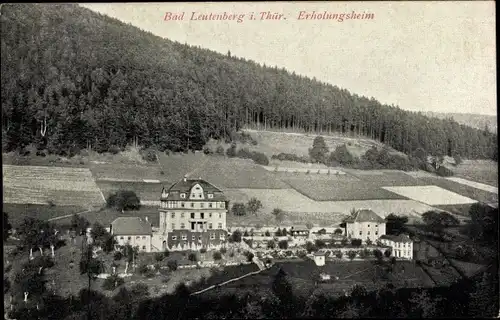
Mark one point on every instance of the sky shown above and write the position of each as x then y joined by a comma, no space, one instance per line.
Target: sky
420,56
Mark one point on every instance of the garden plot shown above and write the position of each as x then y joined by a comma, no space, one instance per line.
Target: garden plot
62,186
431,195
476,185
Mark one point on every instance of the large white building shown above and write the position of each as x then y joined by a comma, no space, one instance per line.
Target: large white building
133,231
402,245
364,224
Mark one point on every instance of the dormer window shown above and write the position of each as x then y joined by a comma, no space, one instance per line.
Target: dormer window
210,196
183,195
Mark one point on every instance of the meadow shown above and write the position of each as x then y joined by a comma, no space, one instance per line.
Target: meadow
107,215
483,171
17,212
145,191
461,189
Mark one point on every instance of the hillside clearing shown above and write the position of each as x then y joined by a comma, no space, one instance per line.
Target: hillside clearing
431,195
477,185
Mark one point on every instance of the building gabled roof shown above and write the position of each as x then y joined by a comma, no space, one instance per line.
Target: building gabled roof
130,226
364,215
185,185
399,238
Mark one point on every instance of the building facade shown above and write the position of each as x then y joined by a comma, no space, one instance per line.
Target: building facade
364,224
133,231
402,245
193,215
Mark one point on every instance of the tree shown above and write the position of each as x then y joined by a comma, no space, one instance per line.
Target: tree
482,297
172,265
283,244
192,257
6,226
319,243
284,232
102,238
309,225
79,224
236,236
342,156
388,253
423,306
278,232
310,247
338,231
319,150
339,254
438,221
351,254
271,244
278,214
395,224
124,200
378,254
484,224
267,233
254,205
217,255
159,257
282,289
356,242
238,209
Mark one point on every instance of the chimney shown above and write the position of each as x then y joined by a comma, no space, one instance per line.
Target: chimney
185,179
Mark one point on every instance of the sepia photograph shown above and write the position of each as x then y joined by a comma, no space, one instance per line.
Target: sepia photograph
249,160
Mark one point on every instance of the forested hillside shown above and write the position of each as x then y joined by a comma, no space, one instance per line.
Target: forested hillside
479,121
74,79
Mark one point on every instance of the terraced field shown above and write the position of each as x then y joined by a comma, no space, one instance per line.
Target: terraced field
41,185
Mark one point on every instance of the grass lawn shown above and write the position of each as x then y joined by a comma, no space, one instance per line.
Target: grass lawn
145,191
17,212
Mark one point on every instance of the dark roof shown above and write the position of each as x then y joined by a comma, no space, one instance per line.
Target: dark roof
398,238
185,185
364,215
130,226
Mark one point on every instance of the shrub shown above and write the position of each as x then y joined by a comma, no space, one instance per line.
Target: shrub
159,257
283,244
143,268
114,149
192,257
267,233
149,155
112,282
223,250
388,253
442,171
271,244
339,254
244,154
217,255
207,150
236,236
166,253
319,244
172,265
310,247
231,152
124,200
260,158
249,256
378,254
140,290
118,256
369,242
203,250
219,150
338,231
356,242
351,254
239,209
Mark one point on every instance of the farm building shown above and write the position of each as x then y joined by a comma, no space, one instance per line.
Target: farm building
299,231
402,245
365,224
133,231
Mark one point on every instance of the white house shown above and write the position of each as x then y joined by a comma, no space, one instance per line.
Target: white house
133,231
319,258
402,245
365,224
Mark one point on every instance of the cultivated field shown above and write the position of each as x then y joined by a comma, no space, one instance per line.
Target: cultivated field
125,172
462,189
106,216
292,201
338,190
41,185
477,185
431,195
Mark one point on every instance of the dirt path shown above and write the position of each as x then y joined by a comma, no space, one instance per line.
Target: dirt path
69,215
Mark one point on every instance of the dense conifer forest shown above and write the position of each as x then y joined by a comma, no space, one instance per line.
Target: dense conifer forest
74,79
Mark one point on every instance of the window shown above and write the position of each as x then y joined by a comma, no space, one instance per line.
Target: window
202,205
210,196
193,238
220,225
174,237
183,195
192,204
121,238
184,237
361,233
129,238
376,232
197,188
143,247
220,215
202,215
210,226
182,204
173,225
210,214
368,226
222,237
368,232
182,214
223,204
212,236
183,226
143,237
210,204
138,237
192,215
173,215
199,238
